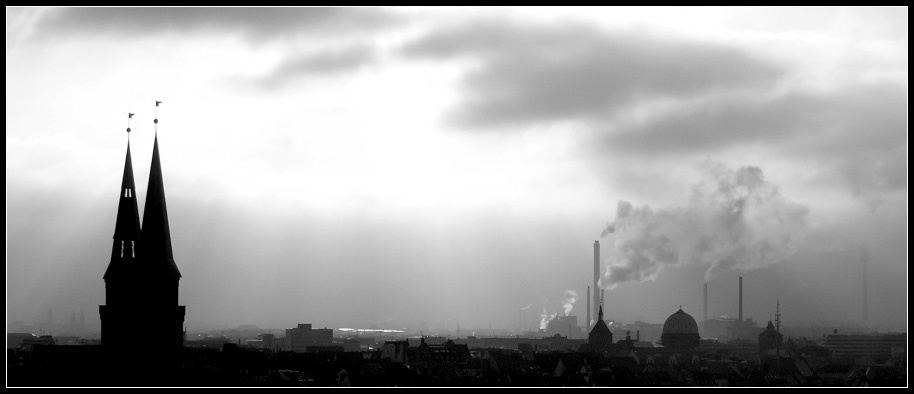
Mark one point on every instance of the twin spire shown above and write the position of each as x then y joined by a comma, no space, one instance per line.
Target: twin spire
155,235
153,240
127,227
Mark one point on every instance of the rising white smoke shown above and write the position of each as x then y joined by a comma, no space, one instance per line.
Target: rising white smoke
570,297
735,219
545,317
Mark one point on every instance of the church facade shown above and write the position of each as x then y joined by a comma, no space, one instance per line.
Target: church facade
141,320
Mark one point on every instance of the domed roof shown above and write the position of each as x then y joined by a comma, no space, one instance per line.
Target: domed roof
680,323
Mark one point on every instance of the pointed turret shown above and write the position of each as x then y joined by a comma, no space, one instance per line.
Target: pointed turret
127,226
156,241
600,338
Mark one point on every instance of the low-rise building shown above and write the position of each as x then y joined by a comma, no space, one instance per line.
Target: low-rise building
298,339
876,346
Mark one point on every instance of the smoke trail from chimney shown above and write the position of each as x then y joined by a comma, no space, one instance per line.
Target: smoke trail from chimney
735,219
570,297
705,318
545,317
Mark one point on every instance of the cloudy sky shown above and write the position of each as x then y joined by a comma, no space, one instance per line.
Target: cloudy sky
453,168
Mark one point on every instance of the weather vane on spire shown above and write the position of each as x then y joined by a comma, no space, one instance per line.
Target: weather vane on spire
156,120
129,115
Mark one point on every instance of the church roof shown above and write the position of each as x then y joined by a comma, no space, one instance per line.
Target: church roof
680,323
600,329
156,237
770,331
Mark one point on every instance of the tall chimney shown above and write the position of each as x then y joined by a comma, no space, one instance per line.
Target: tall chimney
740,298
596,276
865,258
865,317
706,302
587,323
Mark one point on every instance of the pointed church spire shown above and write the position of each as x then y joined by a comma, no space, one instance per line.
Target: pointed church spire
127,226
156,242
600,316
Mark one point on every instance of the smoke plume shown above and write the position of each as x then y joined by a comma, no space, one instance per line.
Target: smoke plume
734,219
570,297
545,317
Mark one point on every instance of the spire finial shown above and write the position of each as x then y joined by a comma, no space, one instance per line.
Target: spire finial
156,120
129,115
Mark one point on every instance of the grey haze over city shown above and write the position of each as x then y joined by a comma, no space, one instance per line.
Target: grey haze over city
451,169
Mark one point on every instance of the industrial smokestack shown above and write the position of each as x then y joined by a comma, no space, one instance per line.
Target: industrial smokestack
740,298
865,317
587,322
596,276
865,258
706,302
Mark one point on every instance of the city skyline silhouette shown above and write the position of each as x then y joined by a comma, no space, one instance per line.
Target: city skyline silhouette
476,173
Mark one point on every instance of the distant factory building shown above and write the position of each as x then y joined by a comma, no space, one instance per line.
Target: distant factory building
648,332
680,331
878,347
304,339
726,329
566,326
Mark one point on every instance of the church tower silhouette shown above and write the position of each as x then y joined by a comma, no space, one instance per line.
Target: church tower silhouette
142,321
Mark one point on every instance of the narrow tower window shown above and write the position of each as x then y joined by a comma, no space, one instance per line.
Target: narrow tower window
132,250
122,249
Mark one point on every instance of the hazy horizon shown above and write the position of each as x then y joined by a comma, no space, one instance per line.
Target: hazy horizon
403,167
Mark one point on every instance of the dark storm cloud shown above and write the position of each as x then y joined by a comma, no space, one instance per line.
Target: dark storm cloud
861,131
715,125
295,68
531,73
257,23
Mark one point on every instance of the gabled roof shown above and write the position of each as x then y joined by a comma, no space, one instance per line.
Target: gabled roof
600,329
